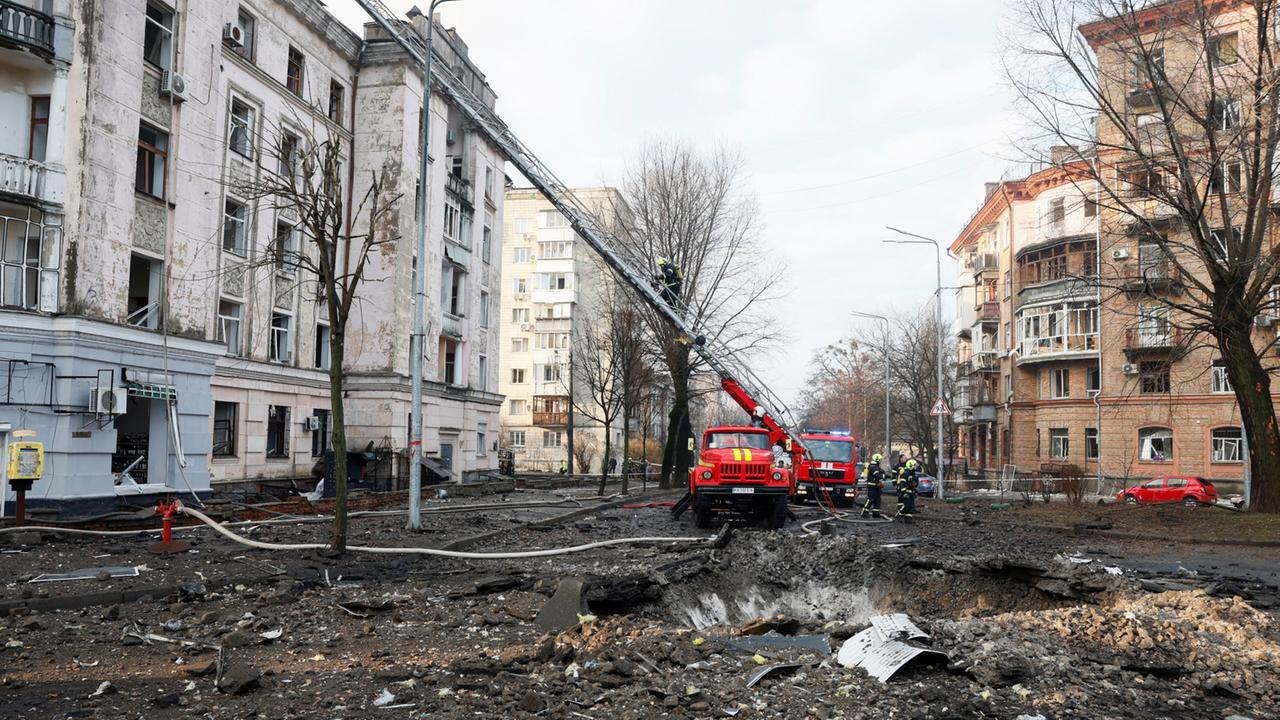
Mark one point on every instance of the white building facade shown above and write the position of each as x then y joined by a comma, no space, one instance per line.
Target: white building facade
150,341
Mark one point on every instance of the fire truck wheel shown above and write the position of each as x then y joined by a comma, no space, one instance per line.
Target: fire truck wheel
701,513
778,514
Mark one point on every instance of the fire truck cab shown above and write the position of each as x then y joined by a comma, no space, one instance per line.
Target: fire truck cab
736,473
828,472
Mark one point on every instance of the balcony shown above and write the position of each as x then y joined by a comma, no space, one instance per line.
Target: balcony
974,403
1152,276
1058,347
989,312
25,27
985,262
22,177
1141,339
457,185
550,411
985,361
553,325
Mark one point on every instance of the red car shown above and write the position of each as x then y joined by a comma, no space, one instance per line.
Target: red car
1185,489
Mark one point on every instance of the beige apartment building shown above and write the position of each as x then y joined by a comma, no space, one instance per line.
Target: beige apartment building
551,278
1066,355
151,342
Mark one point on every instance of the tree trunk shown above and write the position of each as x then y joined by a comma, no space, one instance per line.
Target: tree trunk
675,454
338,439
626,446
1252,385
604,462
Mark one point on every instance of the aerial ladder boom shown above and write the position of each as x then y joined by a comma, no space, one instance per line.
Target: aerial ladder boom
735,378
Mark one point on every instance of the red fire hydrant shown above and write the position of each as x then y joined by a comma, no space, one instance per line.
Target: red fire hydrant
167,509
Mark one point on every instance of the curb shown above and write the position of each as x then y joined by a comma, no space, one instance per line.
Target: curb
1119,534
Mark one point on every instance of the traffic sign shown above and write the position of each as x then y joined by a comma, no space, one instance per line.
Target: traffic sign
940,408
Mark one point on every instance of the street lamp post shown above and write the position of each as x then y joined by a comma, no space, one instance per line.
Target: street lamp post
418,341
884,361
922,240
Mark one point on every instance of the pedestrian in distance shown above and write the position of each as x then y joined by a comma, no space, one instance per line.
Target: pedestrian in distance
564,467
873,476
613,465
907,488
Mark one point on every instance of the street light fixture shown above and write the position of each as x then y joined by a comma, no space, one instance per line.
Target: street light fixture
418,341
922,240
885,362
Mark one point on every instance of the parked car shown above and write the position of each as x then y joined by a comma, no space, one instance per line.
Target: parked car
1185,489
926,486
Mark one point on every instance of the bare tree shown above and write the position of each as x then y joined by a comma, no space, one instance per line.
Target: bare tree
845,388
1173,109
332,249
690,207
598,392
912,357
584,450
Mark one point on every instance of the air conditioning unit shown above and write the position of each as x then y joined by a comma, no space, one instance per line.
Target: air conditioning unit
233,35
1120,254
526,327
311,422
1130,369
108,400
1264,321
174,85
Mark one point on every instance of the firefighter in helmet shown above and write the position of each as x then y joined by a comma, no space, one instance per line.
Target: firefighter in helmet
907,483
873,476
669,280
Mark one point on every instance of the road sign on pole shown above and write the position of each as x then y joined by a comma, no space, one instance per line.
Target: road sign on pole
940,408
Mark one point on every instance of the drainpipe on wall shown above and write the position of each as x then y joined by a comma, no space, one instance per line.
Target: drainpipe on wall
1097,271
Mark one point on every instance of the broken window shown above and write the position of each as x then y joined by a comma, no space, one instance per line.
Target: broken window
229,325
224,429
281,350
277,431
321,359
288,160
484,309
157,35
1220,382
1090,207
1224,50
144,292
320,436
235,217
1060,383
448,360
1059,444
336,93
153,155
248,25
1155,444
286,245
240,139
1228,177
1154,377
1057,211
486,238
1091,443
1225,114
1228,443
294,71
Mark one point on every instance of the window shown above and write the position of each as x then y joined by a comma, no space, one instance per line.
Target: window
320,436
552,219
1037,442
1155,444
1154,377
28,264
457,298
277,431
294,70
1060,383
234,218
1225,242
248,33
519,345
288,160
448,360
1227,177
524,226
153,154
482,369
241,137
520,315
552,281
281,350
1091,443
1228,444
1224,50
486,238
321,359
1057,211
1059,444
520,255
482,439
518,407
452,220
550,373
552,341
551,438
515,438
1145,183
228,330
38,132
553,250
286,246
224,429
157,35
488,181
336,94
1092,380
517,376
1090,207
1225,114
1219,381
484,309
144,292
520,285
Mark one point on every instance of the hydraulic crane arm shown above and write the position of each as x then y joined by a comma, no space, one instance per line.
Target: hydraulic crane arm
736,379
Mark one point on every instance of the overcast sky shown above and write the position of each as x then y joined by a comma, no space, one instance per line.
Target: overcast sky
851,115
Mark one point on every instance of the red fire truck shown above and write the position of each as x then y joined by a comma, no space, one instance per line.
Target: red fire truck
736,473
828,472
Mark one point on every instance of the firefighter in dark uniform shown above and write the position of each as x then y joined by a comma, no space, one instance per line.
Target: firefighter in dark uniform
873,476
907,482
670,281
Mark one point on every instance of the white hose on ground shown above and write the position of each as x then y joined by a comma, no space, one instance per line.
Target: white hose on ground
842,517
443,553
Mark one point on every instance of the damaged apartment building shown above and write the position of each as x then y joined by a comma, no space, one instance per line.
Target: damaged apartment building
149,339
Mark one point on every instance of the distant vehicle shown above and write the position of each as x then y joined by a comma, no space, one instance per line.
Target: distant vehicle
829,471
1186,489
926,485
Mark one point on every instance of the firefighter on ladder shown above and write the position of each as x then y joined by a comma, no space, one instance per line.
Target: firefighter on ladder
669,282
907,482
873,475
